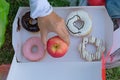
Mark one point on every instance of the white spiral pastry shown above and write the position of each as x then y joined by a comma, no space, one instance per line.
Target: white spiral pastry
98,43
79,23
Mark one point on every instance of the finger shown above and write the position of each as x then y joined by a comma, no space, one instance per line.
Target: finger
63,35
67,38
65,31
43,37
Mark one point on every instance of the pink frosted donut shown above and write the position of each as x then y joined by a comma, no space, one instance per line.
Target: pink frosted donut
33,49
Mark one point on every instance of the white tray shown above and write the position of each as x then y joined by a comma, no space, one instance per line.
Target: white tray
102,28
69,67
55,71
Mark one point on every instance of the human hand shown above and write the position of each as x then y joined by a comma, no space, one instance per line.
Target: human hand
52,23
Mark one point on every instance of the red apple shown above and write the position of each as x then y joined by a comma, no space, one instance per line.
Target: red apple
96,2
56,47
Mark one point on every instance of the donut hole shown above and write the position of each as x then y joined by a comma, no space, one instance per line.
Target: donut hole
33,21
91,48
34,49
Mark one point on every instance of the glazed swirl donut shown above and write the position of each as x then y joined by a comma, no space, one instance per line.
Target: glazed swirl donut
100,48
28,23
33,49
79,23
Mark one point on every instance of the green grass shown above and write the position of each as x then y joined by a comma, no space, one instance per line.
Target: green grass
7,52
113,74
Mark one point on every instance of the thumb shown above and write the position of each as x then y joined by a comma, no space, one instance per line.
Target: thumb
44,38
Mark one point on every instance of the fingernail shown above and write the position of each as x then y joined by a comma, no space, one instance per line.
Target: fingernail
44,46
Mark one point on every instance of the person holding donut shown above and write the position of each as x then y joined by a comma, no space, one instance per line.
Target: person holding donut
48,20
